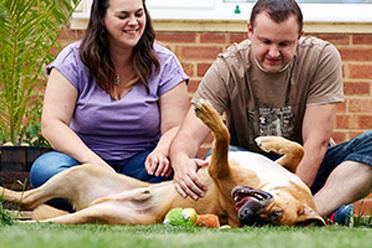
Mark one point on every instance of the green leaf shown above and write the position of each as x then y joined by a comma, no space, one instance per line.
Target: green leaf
28,31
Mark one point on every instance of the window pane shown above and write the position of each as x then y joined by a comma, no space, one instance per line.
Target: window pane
306,1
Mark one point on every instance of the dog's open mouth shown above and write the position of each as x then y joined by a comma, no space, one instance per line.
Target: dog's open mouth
243,195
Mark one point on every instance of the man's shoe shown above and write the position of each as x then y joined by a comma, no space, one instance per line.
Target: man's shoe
343,215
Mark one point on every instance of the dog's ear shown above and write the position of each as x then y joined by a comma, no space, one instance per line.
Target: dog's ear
308,216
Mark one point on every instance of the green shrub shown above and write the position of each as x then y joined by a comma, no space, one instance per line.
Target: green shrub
28,31
5,216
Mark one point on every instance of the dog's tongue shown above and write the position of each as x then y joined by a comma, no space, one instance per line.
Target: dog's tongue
243,201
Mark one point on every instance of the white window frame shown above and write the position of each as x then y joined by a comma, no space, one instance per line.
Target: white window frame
218,10
179,4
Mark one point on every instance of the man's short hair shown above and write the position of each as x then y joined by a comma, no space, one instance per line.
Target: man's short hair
278,10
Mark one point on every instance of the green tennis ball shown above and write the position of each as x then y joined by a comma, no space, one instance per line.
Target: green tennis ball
181,217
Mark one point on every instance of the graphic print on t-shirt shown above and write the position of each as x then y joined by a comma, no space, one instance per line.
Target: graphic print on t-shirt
276,121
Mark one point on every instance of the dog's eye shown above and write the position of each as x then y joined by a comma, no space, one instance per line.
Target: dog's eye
276,214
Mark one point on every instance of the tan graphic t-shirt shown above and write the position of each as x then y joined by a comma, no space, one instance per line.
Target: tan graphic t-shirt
258,103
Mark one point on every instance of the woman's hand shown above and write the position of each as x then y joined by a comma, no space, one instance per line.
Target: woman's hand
157,163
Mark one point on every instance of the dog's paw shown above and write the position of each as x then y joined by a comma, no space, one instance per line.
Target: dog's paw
278,145
205,111
198,102
143,194
271,143
202,108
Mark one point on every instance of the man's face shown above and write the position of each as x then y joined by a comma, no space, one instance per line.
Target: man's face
273,44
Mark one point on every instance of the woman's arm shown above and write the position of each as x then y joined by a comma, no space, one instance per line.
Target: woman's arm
59,104
173,107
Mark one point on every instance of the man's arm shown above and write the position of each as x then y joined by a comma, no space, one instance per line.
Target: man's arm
182,151
316,132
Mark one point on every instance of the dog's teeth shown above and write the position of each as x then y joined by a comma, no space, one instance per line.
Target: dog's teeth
257,196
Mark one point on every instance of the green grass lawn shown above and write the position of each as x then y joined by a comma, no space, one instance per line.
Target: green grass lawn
160,236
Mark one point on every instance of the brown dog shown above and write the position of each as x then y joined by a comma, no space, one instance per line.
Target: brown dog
244,188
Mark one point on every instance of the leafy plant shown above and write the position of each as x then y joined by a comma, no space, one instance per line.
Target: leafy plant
29,29
33,130
2,14
5,216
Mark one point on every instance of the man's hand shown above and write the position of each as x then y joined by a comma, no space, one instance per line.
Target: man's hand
158,164
187,182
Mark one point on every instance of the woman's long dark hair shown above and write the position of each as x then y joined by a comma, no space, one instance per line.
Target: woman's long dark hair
94,50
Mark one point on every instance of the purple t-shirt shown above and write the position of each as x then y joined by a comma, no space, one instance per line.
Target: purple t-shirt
118,129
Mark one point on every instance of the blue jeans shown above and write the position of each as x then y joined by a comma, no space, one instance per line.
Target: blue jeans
51,163
358,149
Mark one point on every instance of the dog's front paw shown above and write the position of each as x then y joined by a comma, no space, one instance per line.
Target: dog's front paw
202,108
205,111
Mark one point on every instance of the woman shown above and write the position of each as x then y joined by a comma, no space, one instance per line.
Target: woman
114,99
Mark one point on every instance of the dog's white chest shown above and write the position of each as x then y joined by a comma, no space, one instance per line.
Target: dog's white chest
270,173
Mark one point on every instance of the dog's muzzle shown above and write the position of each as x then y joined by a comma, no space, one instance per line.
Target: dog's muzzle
249,204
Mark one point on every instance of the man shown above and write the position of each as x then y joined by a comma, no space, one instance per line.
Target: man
280,83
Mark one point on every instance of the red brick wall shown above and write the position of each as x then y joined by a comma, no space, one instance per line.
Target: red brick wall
197,51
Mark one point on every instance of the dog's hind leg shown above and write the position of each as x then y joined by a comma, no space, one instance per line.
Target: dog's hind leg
27,200
292,152
45,212
74,184
140,194
63,185
140,210
30,199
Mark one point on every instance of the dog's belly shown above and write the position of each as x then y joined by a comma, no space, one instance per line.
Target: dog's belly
271,174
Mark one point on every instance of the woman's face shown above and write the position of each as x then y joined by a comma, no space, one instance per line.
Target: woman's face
125,21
